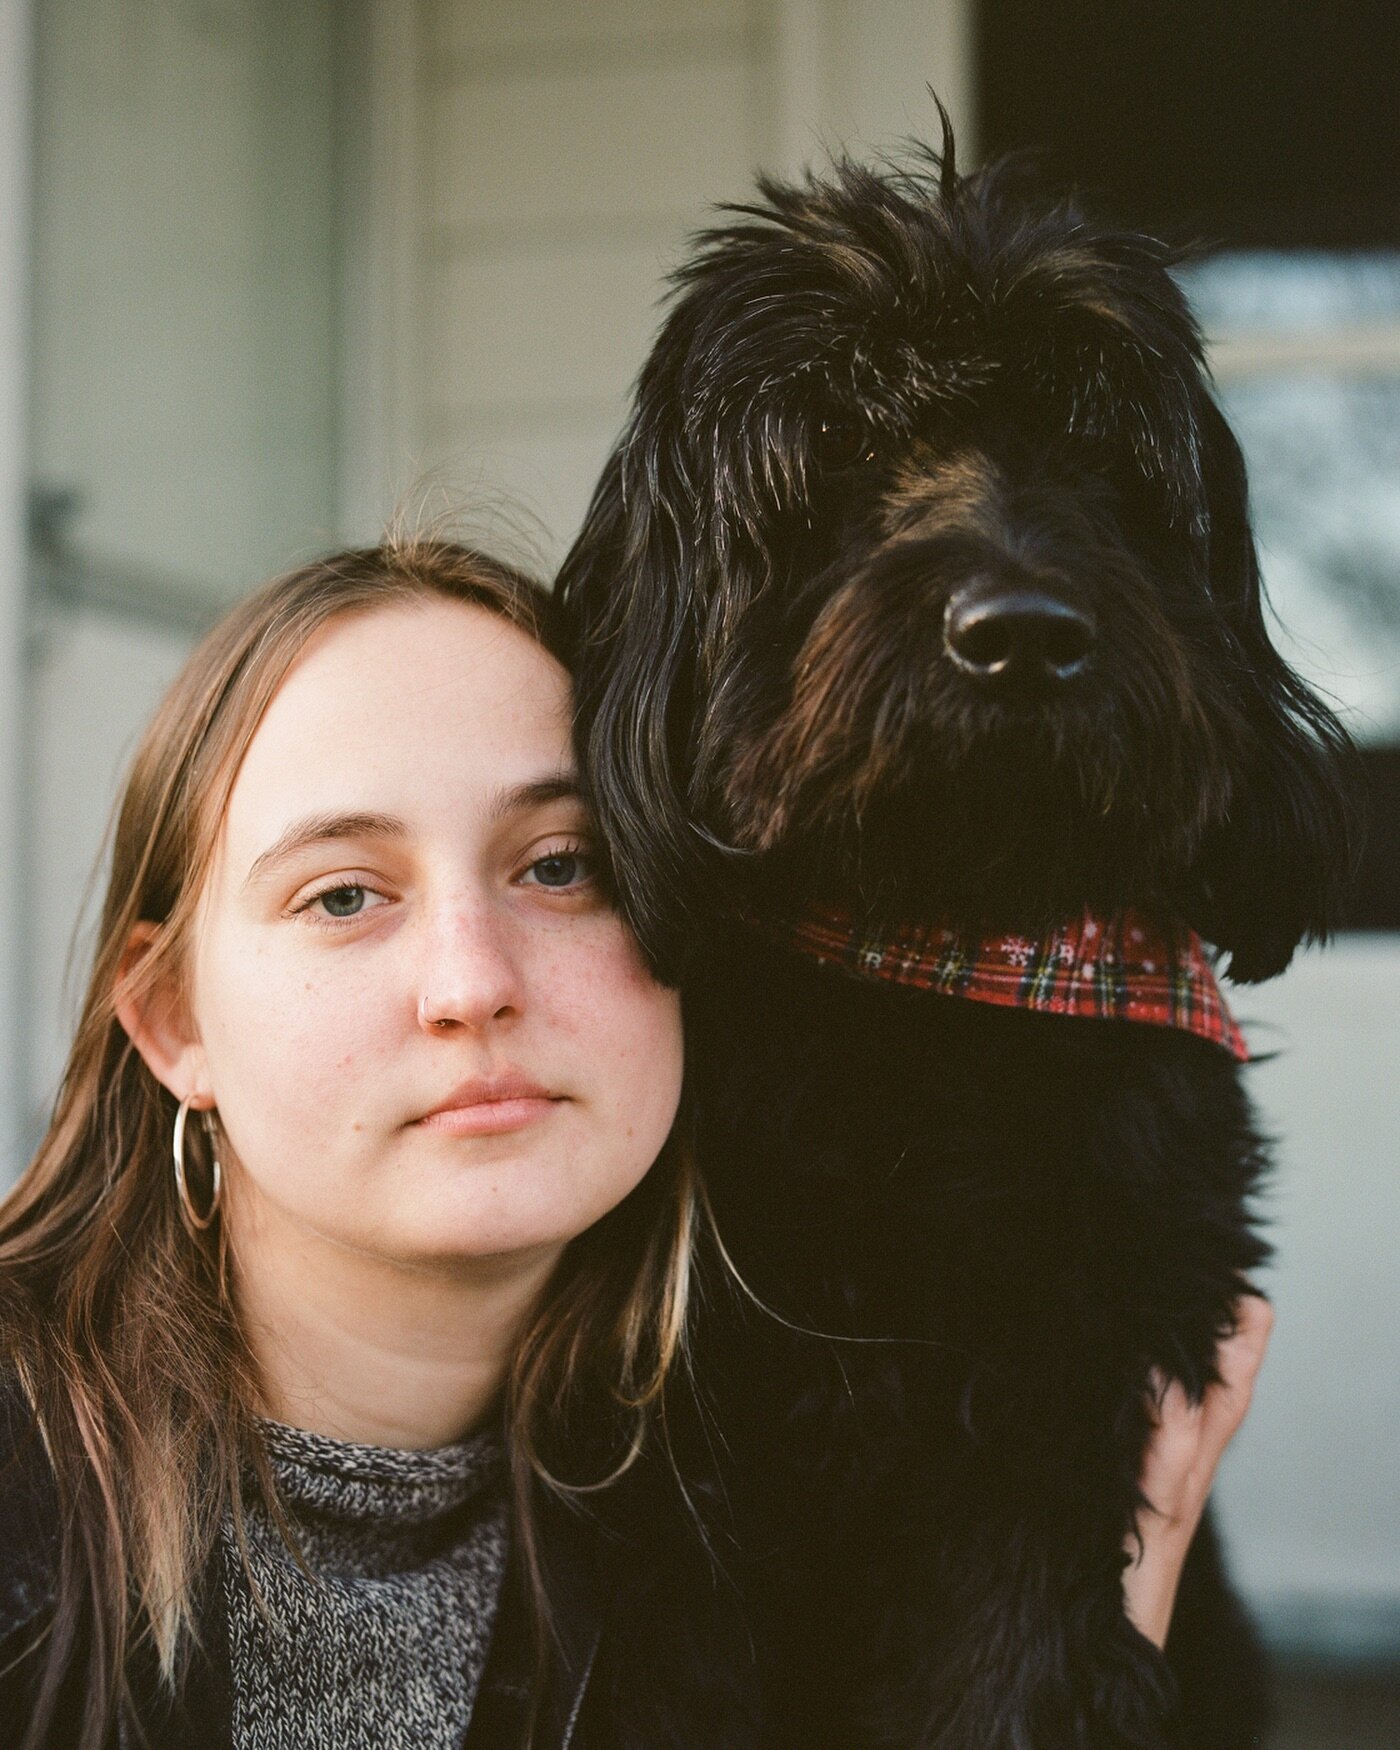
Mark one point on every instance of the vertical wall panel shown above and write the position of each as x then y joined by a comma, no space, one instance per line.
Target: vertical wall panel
15,74
567,152
596,147
473,29
537,328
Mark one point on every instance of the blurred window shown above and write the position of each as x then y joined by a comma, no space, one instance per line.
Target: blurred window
1268,130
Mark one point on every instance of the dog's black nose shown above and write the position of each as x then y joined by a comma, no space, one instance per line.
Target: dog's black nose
1006,632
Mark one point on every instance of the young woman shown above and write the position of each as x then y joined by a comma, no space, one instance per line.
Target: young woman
362,1211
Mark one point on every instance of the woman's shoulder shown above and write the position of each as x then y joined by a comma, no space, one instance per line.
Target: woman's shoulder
28,1512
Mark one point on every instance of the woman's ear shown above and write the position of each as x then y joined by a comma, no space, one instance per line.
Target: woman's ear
155,1016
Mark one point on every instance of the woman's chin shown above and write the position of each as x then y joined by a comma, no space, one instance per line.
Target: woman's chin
466,1223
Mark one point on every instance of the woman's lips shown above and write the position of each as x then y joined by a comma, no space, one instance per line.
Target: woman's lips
490,1107
489,1117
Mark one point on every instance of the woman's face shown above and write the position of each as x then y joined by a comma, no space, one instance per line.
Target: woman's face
427,1034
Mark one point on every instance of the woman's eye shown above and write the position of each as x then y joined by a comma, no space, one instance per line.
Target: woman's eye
345,901
559,869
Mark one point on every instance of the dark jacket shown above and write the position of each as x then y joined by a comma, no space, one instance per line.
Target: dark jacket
202,1718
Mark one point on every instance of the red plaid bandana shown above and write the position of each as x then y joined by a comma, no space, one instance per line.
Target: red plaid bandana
1131,967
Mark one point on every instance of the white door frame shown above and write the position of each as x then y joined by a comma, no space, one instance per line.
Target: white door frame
16,81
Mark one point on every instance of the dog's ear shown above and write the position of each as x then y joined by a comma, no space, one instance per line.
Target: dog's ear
632,605
1272,872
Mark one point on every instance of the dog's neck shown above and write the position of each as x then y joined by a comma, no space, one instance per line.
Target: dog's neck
1133,966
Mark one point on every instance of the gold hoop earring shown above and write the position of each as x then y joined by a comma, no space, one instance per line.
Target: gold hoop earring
193,1220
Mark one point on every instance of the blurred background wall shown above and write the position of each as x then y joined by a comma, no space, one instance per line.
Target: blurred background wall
270,265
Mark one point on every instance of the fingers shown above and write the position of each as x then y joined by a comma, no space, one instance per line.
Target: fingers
1189,1439
1178,1467
1237,1362
1171,1461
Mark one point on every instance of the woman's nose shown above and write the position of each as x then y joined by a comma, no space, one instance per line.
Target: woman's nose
471,976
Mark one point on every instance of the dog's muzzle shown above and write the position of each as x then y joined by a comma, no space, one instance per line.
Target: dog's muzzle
1005,634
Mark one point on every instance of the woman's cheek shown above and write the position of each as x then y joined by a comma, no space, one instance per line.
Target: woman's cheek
290,1046
636,1024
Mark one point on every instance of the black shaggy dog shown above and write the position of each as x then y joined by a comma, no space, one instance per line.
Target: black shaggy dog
921,583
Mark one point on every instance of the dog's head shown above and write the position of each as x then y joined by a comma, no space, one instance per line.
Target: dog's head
922,579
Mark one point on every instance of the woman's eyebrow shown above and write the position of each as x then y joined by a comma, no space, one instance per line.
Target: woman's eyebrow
316,829
557,787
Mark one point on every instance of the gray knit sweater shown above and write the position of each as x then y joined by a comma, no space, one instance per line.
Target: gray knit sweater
382,1644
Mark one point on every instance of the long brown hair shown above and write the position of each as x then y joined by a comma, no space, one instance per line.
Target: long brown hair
118,1321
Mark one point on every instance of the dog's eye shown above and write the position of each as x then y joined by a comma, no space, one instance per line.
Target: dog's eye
845,443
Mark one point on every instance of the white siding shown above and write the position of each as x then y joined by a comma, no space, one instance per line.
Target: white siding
537,328
471,30
522,149
567,151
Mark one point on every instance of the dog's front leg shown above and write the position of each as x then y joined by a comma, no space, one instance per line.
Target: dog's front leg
1000,1618
932,1592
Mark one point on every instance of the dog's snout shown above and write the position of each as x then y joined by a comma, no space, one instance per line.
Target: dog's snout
995,631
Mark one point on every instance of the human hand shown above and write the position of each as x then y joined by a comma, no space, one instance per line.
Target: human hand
1179,1466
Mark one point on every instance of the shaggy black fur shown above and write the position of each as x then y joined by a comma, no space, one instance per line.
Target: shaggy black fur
922,580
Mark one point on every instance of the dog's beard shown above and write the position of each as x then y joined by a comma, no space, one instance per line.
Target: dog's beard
870,770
